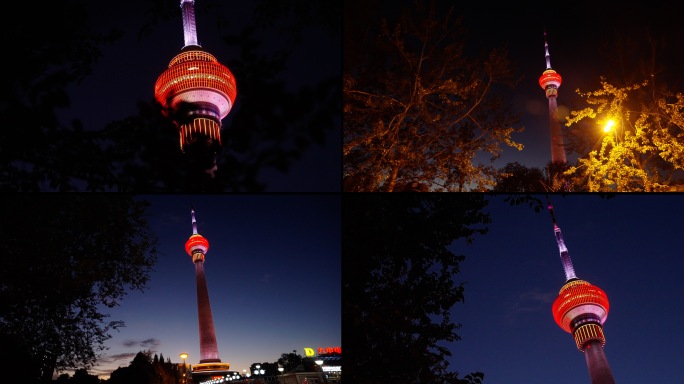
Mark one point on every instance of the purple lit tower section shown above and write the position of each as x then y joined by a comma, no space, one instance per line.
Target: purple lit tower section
210,363
550,80
581,309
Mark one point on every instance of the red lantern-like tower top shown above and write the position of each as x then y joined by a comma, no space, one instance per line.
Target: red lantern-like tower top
197,245
196,91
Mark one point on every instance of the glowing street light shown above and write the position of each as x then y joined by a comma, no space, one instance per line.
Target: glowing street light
609,126
184,356
319,362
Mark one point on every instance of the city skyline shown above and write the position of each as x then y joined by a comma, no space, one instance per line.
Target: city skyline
272,271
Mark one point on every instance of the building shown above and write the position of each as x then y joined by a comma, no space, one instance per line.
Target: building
196,92
550,80
210,364
581,309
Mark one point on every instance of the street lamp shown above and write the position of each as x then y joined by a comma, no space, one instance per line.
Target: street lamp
185,371
319,362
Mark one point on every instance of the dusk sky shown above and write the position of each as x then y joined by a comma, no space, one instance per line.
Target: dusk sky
579,33
273,273
127,71
628,245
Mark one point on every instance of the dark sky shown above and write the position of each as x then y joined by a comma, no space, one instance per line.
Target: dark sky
272,271
579,34
127,71
628,245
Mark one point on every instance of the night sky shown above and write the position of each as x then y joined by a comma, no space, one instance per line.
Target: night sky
272,271
579,33
628,245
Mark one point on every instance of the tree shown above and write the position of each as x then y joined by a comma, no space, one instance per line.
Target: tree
515,177
645,153
418,109
643,150
66,258
398,283
290,361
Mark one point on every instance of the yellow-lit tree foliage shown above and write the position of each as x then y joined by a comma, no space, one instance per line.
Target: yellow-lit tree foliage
646,150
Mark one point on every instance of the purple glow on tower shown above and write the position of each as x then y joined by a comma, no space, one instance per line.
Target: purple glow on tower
189,28
565,256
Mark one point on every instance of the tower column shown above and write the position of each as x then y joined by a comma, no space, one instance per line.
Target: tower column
208,346
599,371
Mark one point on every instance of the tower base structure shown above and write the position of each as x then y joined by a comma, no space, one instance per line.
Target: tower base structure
206,371
599,371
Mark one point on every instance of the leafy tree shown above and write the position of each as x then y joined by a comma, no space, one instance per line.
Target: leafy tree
418,109
515,177
645,153
81,376
65,258
398,283
290,361
644,150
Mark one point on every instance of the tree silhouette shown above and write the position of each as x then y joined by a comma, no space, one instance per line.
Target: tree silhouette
398,283
515,177
64,257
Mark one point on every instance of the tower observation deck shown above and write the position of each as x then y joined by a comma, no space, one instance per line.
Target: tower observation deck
196,92
581,309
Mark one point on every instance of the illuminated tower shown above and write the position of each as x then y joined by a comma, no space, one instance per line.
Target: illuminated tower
581,309
210,363
196,92
550,80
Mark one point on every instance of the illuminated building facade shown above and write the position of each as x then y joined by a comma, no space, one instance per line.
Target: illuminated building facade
210,364
581,309
196,92
550,80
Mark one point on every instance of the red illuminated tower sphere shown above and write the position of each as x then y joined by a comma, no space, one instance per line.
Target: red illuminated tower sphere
581,309
550,80
210,363
196,91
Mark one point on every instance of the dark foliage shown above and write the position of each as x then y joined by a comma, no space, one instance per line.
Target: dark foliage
398,284
64,257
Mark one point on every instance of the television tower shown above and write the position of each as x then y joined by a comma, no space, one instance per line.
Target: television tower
210,363
550,80
581,309
196,92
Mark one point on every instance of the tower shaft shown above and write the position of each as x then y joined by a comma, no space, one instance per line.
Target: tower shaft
599,371
557,144
208,346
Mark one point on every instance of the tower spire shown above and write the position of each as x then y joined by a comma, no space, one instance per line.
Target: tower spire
189,28
565,256
546,47
194,222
